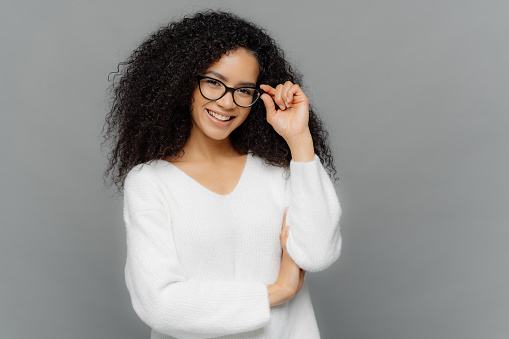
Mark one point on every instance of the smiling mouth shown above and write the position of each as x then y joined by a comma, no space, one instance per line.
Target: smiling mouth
219,117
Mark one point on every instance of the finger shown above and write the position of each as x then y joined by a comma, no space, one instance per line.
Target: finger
284,237
285,93
284,217
283,227
278,98
292,91
268,89
269,104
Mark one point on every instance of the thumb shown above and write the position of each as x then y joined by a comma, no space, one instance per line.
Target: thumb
269,106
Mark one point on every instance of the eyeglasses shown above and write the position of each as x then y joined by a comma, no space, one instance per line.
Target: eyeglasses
214,89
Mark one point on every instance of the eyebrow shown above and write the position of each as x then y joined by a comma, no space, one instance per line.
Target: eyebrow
221,77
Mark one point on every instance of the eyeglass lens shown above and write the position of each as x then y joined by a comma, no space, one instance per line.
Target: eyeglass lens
213,90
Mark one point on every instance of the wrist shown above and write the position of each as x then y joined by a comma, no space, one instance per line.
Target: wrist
302,137
301,146
277,294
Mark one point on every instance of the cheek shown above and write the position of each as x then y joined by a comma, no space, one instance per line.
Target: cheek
197,102
245,114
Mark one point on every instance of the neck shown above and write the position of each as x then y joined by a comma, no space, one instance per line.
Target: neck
201,148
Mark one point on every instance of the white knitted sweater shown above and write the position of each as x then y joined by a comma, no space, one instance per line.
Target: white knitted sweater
198,263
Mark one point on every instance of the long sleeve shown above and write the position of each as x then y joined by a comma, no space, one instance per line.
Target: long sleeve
161,295
314,240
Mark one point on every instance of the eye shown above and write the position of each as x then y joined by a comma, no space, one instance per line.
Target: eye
246,91
212,82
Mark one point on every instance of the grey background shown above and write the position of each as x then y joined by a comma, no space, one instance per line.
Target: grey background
414,94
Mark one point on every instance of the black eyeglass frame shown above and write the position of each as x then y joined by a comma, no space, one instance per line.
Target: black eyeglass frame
229,89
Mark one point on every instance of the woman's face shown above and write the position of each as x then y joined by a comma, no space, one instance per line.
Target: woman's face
235,69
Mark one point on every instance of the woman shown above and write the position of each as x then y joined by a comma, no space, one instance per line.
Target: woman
218,152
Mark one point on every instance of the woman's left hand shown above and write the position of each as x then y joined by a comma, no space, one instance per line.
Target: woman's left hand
292,117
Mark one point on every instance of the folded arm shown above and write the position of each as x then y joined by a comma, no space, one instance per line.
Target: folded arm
314,240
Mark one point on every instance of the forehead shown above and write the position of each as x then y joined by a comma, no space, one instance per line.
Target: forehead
236,66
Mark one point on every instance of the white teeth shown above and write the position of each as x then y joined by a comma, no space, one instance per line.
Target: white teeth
217,116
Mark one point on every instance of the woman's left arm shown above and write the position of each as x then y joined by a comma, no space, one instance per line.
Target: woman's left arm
314,239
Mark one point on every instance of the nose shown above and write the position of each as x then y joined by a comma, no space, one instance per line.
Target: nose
226,100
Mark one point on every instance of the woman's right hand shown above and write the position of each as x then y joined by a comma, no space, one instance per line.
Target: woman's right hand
291,276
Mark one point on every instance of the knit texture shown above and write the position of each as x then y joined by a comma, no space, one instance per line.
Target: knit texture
198,263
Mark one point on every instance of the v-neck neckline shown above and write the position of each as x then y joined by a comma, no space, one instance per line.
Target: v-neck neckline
203,188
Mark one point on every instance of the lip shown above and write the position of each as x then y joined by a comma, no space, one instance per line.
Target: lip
221,113
218,122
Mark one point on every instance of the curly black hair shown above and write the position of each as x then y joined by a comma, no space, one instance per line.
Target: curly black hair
151,93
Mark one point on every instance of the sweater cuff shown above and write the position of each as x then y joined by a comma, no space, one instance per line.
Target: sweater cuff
294,163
